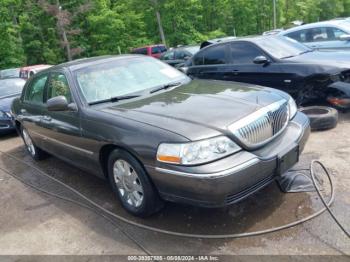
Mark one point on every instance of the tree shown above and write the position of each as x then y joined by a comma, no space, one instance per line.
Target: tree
11,51
159,20
52,31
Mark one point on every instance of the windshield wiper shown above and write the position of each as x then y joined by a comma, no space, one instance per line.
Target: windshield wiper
165,87
290,56
307,51
113,99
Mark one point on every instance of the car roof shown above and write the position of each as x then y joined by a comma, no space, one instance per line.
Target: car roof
335,22
146,46
35,67
85,62
182,47
252,39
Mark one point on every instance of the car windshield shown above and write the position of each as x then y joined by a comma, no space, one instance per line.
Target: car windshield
282,47
125,76
192,49
11,86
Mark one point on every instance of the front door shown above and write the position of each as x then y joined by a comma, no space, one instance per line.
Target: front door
245,70
62,128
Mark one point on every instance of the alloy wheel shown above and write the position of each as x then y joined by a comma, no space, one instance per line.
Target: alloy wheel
28,142
128,183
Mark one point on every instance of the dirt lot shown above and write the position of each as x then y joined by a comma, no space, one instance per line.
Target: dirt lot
34,223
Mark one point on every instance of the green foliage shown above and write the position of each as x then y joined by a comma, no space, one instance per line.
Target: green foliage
11,51
29,31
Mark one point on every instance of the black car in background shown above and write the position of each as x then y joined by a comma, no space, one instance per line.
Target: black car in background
277,62
177,56
10,89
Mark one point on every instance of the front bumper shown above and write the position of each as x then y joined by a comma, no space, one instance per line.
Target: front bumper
6,126
230,179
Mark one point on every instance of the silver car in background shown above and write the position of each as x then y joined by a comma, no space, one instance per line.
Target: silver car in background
326,35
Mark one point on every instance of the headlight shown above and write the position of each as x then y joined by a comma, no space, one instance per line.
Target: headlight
196,152
292,108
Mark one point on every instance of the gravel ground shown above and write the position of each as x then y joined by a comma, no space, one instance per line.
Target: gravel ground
33,223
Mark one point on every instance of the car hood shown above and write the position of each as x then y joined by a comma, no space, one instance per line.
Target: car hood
199,109
329,60
6,102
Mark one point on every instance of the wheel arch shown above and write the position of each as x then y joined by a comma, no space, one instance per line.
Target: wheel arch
18,126
107,149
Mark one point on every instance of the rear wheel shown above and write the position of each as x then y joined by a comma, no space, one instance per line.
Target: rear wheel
132,185
35,152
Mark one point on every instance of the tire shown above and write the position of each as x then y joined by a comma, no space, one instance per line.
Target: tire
321,117
132,185
35,152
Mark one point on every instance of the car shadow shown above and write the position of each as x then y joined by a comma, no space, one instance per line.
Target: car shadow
268,207
8,136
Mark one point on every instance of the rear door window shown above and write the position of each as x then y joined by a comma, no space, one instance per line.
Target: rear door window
162,48
156,50
317,34
215,55
35,91
140,51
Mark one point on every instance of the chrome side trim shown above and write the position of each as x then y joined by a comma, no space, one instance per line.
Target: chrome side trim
4,127
220,174
64,144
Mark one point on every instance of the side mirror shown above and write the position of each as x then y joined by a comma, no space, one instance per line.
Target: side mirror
58,103
261,60
344,37
187,57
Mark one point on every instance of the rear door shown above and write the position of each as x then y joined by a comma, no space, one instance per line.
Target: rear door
211,63
245,70
31,111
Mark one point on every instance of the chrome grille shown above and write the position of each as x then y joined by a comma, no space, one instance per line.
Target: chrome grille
261,126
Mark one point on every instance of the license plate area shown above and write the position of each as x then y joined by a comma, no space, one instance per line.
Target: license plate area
287,159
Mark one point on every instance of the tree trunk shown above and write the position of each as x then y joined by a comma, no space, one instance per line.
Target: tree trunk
63,33
67,44
159,21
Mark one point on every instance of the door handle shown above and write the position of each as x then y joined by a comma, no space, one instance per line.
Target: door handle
47,118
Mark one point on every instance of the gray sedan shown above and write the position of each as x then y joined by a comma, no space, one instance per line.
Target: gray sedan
157,135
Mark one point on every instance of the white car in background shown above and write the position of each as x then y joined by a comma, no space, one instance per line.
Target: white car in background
329,35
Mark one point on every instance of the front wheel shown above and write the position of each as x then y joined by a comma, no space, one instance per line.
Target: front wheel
35,152
132,185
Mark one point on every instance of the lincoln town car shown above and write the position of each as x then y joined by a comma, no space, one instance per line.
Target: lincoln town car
156,134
